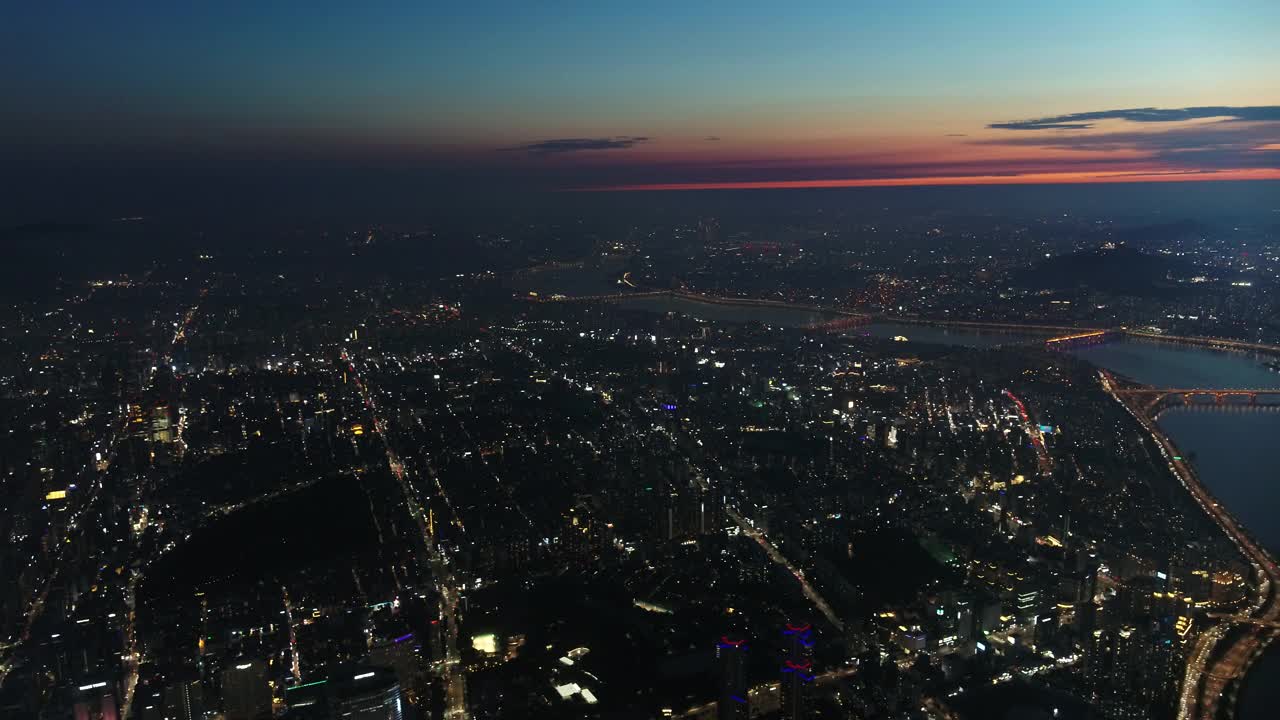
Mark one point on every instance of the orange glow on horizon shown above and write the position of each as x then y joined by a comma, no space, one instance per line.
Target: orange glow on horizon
1024,179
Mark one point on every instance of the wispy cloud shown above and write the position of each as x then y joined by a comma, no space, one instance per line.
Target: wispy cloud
573,145
1244,137
1085,120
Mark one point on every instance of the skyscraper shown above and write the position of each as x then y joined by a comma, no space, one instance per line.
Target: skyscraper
245,694
95,701
183,699
797,670
391,648
732,654
367,693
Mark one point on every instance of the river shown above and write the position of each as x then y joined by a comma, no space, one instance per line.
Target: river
1231,447
1164,364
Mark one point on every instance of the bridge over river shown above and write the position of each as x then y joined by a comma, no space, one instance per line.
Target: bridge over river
1153,401
1219,657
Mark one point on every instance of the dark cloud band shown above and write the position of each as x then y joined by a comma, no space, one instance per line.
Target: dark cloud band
572,145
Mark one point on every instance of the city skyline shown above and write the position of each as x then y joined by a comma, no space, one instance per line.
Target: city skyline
736,361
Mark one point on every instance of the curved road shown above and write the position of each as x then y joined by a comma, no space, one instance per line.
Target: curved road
1213,664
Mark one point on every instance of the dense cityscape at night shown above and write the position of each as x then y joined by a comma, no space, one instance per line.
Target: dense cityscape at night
416,365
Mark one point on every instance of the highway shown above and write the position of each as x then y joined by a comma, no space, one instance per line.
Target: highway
1213,664
778,559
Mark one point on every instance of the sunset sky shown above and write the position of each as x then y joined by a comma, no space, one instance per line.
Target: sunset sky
604,95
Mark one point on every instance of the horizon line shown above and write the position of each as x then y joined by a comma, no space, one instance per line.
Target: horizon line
1240,175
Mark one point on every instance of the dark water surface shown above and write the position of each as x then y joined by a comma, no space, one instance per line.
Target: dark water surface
1234,454
1168,365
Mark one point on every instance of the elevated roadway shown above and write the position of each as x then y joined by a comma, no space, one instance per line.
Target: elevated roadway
1219,657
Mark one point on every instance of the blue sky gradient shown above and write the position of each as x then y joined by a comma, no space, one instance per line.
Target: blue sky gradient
840,86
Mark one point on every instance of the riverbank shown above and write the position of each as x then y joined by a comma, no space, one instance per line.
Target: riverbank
1213,666
1030,328
1208,342
704,298
640,291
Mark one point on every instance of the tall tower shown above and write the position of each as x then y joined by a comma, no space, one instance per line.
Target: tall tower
709,232
245,693
96,700
183,699
732,654
368,694
797,670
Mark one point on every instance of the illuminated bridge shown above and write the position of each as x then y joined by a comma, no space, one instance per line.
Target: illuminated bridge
1219,657
1083,337
1065,338
1154,400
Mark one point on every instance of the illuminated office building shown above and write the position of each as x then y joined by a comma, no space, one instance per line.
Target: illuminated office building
731,652
797,670
245,693
366,693
95,700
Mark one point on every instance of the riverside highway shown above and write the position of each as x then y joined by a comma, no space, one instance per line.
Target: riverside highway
1220,656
